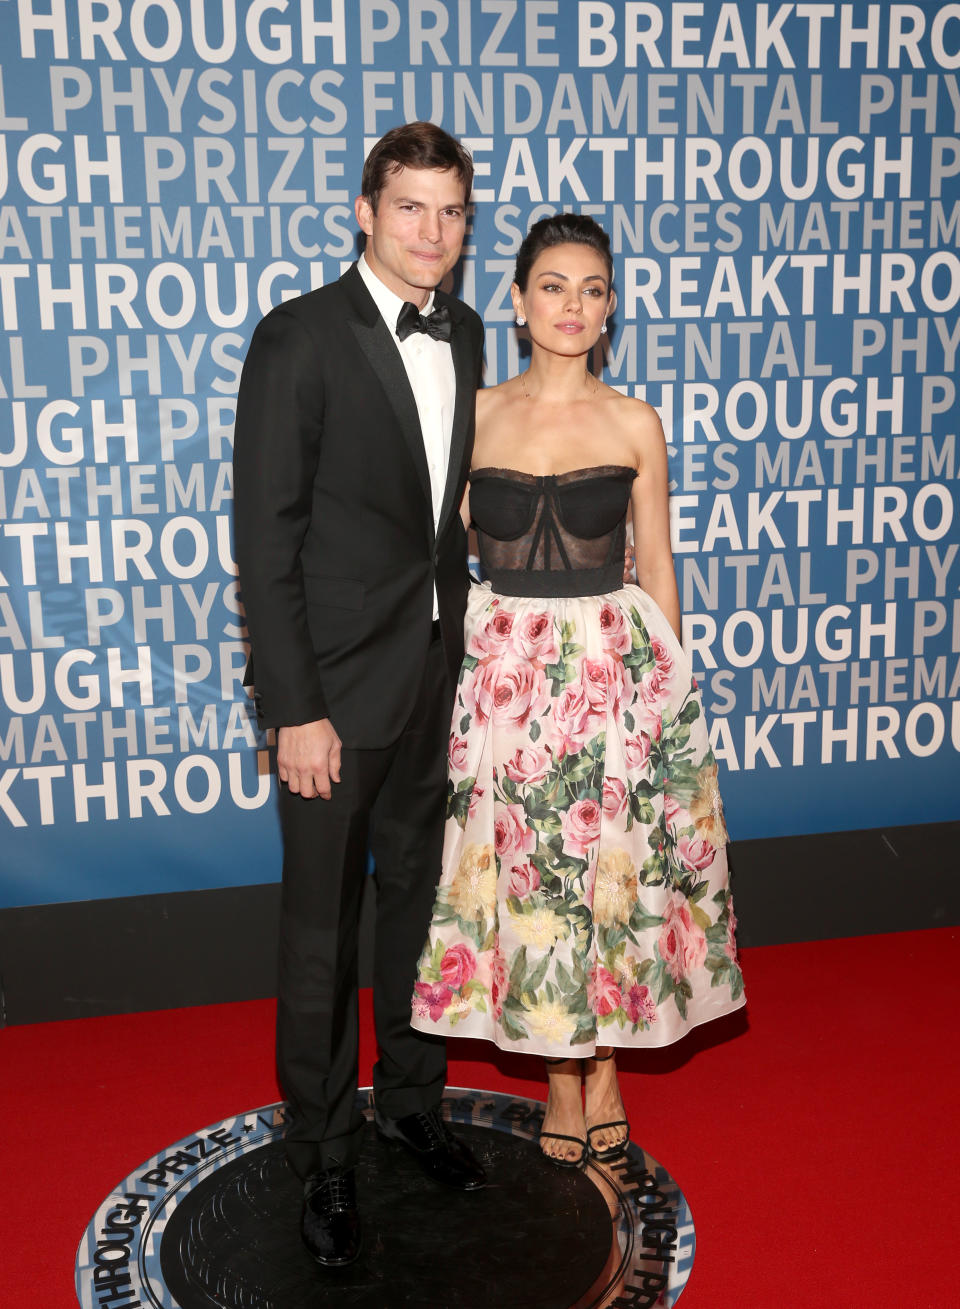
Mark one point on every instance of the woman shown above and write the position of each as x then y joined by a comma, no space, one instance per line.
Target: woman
584,901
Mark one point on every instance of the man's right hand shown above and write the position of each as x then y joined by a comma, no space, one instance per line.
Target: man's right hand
308,758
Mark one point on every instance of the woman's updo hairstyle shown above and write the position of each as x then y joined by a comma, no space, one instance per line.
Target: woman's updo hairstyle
561,229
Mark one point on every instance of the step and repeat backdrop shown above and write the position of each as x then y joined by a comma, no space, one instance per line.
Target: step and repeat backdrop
781,184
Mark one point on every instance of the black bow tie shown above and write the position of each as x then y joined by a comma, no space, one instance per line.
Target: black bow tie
437,324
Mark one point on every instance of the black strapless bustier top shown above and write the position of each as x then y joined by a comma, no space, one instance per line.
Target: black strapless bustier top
560,535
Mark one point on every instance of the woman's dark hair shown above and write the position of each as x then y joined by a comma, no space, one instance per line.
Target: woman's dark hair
414,145
561,229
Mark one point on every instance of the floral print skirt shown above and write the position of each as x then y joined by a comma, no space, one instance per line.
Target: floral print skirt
584,896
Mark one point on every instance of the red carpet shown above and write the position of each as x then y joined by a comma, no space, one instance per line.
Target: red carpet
816,1138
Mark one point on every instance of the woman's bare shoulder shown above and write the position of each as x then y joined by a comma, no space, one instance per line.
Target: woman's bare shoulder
638,421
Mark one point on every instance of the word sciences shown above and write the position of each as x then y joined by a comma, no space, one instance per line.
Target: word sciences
497,33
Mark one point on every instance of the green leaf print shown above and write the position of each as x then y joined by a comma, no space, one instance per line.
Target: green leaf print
690,712
464,724
641,920
535,979
513,1030
584,1032
566,983
508,789
653,871
518,967
534,731
641,809
660,982
644,969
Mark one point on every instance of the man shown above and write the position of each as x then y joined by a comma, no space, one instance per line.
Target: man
353,441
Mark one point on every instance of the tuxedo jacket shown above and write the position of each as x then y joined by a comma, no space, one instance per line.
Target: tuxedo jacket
335,541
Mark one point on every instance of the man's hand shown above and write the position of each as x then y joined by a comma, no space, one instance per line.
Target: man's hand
308,758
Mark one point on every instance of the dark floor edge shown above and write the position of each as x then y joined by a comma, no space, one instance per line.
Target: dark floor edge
125,955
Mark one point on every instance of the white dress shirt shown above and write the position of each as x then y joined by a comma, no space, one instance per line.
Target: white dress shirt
429,366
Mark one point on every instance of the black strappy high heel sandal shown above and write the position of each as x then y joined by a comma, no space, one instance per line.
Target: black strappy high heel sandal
613,1151
581,1158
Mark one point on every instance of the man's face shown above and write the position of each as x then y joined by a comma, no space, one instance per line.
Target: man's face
415,236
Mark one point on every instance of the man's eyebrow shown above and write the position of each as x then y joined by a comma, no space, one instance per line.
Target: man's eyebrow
412,200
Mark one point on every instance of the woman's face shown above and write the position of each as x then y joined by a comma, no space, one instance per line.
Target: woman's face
567,298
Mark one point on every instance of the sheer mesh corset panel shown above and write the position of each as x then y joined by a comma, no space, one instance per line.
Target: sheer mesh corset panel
559,535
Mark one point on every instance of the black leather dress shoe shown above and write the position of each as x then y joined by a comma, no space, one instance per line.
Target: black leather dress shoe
441,1155
330,1225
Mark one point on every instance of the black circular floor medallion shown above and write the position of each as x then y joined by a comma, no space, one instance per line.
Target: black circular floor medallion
213,1223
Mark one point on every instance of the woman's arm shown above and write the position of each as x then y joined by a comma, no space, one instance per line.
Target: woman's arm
651,519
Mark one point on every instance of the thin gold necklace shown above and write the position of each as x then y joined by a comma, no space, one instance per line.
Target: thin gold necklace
528,396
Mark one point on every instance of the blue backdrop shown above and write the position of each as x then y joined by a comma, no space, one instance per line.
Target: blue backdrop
780,183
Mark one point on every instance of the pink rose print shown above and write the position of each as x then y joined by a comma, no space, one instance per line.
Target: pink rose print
650,690
494,637
619,687
695,853
614,630
528,765
672,811
457,966
476,795
457,752
682,944
638,1002
574,719
430,1000
520,693
614,797
581,825
479,692
603,994
535,638
664,661
510,831
594,674
638,752
524,879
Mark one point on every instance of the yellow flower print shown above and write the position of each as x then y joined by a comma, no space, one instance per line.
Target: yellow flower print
550,1020
615,890
473,891
706,808
539,927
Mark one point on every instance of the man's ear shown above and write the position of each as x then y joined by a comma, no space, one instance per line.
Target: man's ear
364,211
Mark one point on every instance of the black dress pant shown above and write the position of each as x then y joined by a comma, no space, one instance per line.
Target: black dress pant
393,800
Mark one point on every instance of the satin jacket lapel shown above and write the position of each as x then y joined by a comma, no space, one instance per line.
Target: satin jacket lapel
373,337
463,367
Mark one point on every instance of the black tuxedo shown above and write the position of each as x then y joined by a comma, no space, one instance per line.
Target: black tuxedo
338,561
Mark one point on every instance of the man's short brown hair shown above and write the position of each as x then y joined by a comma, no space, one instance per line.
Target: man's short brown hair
414,145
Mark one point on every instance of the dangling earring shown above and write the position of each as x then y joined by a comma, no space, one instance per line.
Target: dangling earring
521,321
603,328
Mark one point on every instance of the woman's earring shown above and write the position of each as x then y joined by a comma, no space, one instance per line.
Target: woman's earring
521,321
603,328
